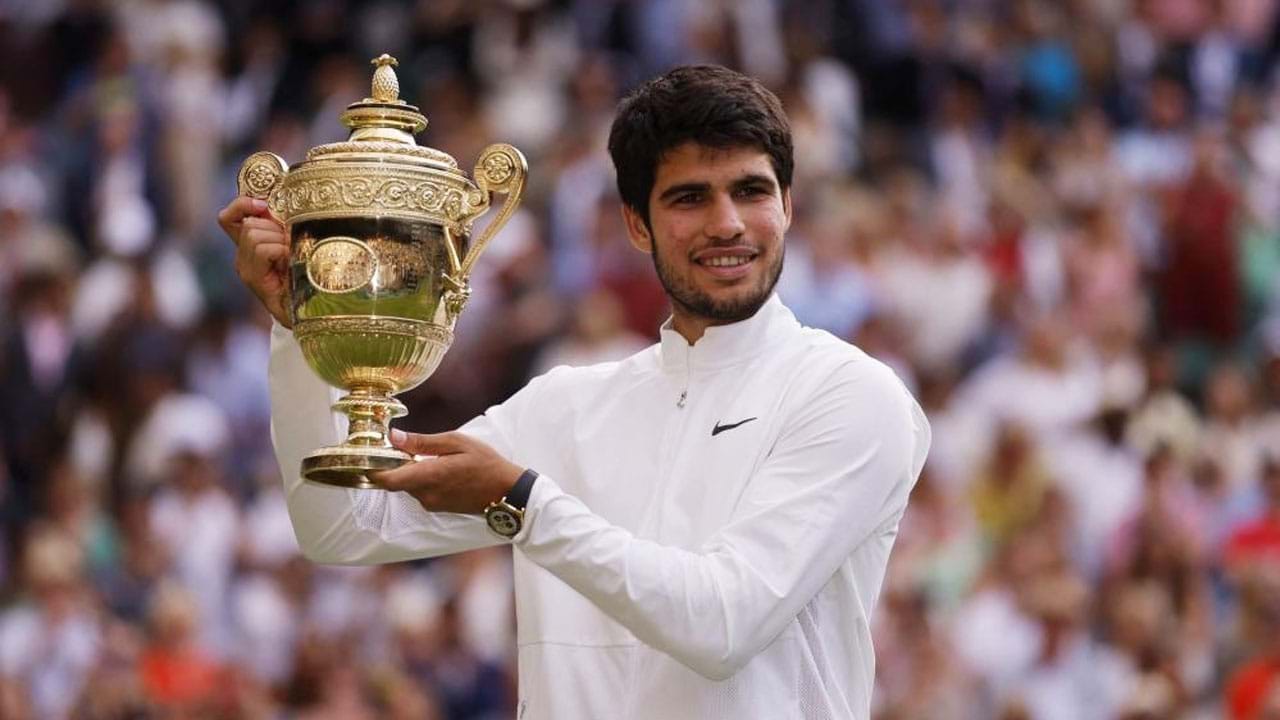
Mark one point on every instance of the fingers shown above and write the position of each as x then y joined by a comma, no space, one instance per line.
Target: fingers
267,223
233,217
255,231
237,210
257,242
427,479
267,256
262,262
409,476
440,444
465,475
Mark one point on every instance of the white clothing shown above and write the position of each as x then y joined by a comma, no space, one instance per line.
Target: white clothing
666,569
1050,403
1085,680
994,639
51,658
943,303
1104,485
267,627
201,533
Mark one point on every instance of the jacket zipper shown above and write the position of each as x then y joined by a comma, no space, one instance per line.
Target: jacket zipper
684,394
671,447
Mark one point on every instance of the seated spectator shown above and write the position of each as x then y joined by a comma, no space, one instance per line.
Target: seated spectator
1253,691
50,640
176,674
1010,487
1256,544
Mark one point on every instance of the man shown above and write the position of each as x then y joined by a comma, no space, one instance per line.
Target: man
712,517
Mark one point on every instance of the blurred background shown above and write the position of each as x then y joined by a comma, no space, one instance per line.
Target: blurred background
1058,221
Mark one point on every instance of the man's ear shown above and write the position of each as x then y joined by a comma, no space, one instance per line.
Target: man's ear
637,230
786,207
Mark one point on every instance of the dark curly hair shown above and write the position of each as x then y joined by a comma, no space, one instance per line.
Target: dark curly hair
706,104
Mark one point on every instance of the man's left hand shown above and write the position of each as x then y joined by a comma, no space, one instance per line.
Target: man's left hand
464,476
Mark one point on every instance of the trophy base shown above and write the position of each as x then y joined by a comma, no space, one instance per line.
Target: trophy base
346,465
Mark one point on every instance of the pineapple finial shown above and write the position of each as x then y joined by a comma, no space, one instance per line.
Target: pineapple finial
386,87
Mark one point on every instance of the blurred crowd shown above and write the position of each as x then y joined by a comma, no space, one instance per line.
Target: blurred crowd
1058,221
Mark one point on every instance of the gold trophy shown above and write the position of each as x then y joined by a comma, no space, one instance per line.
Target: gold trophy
380,254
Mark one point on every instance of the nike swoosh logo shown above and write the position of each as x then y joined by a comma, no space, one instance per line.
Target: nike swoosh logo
721,428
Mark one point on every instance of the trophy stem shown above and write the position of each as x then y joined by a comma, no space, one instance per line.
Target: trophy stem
369,412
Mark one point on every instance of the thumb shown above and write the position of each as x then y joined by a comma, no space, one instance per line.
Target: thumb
418,444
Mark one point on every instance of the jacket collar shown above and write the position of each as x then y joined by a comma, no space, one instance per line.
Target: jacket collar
724,345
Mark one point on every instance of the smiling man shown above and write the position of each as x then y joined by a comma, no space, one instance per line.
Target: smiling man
718,245
699,531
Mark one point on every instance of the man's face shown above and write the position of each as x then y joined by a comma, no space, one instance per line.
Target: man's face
716,223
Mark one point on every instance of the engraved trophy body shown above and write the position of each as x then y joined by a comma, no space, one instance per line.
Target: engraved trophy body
379,260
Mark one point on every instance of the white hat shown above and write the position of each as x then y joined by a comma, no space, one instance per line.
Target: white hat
178,423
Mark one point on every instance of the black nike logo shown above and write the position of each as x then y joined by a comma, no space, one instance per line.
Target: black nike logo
721,428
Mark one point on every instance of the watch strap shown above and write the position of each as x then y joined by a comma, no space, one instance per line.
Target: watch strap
518,496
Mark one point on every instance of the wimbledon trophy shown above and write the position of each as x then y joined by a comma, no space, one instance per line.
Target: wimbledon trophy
380,254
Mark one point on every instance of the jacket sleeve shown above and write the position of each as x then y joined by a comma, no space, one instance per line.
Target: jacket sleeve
342,526
839,475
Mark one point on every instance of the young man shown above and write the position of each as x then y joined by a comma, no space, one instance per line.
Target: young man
709,522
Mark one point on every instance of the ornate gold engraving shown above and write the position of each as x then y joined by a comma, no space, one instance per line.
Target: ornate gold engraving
261,174
373,325
371,190
498,168
341,265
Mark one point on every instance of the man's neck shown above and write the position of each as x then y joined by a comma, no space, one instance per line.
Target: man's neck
691,327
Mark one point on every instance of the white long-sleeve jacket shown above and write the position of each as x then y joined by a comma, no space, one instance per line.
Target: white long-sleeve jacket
707,538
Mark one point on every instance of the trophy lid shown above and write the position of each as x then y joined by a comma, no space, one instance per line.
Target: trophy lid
385,124
380,170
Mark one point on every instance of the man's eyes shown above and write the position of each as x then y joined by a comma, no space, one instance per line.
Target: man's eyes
693,198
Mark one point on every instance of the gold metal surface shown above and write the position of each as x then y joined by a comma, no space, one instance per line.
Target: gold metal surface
262,175
378,353
341,265
380,260
386,86
376,148
317,190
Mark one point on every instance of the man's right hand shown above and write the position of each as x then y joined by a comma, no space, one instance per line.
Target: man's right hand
262,253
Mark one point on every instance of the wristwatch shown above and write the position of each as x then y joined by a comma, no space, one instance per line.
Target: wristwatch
506,516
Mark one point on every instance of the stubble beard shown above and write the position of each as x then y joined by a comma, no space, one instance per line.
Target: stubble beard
689,299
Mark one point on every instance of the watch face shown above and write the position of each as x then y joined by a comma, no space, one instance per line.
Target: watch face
502,521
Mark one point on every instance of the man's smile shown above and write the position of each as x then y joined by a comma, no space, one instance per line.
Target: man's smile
727,263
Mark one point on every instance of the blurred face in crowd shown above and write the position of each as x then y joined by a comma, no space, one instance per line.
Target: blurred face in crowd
192,472
717,217
1228,394
1046,341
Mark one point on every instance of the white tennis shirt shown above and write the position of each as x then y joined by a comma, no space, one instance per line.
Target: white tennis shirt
707,538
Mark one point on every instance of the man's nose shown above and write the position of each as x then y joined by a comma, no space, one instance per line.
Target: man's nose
724,222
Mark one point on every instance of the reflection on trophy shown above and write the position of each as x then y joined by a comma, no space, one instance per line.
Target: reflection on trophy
380,255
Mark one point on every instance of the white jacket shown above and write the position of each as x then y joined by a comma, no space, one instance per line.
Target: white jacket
707,538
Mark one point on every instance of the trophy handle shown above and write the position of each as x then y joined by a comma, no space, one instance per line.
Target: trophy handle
500,169
261,176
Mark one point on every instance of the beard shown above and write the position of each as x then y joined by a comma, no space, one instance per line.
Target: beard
694,301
